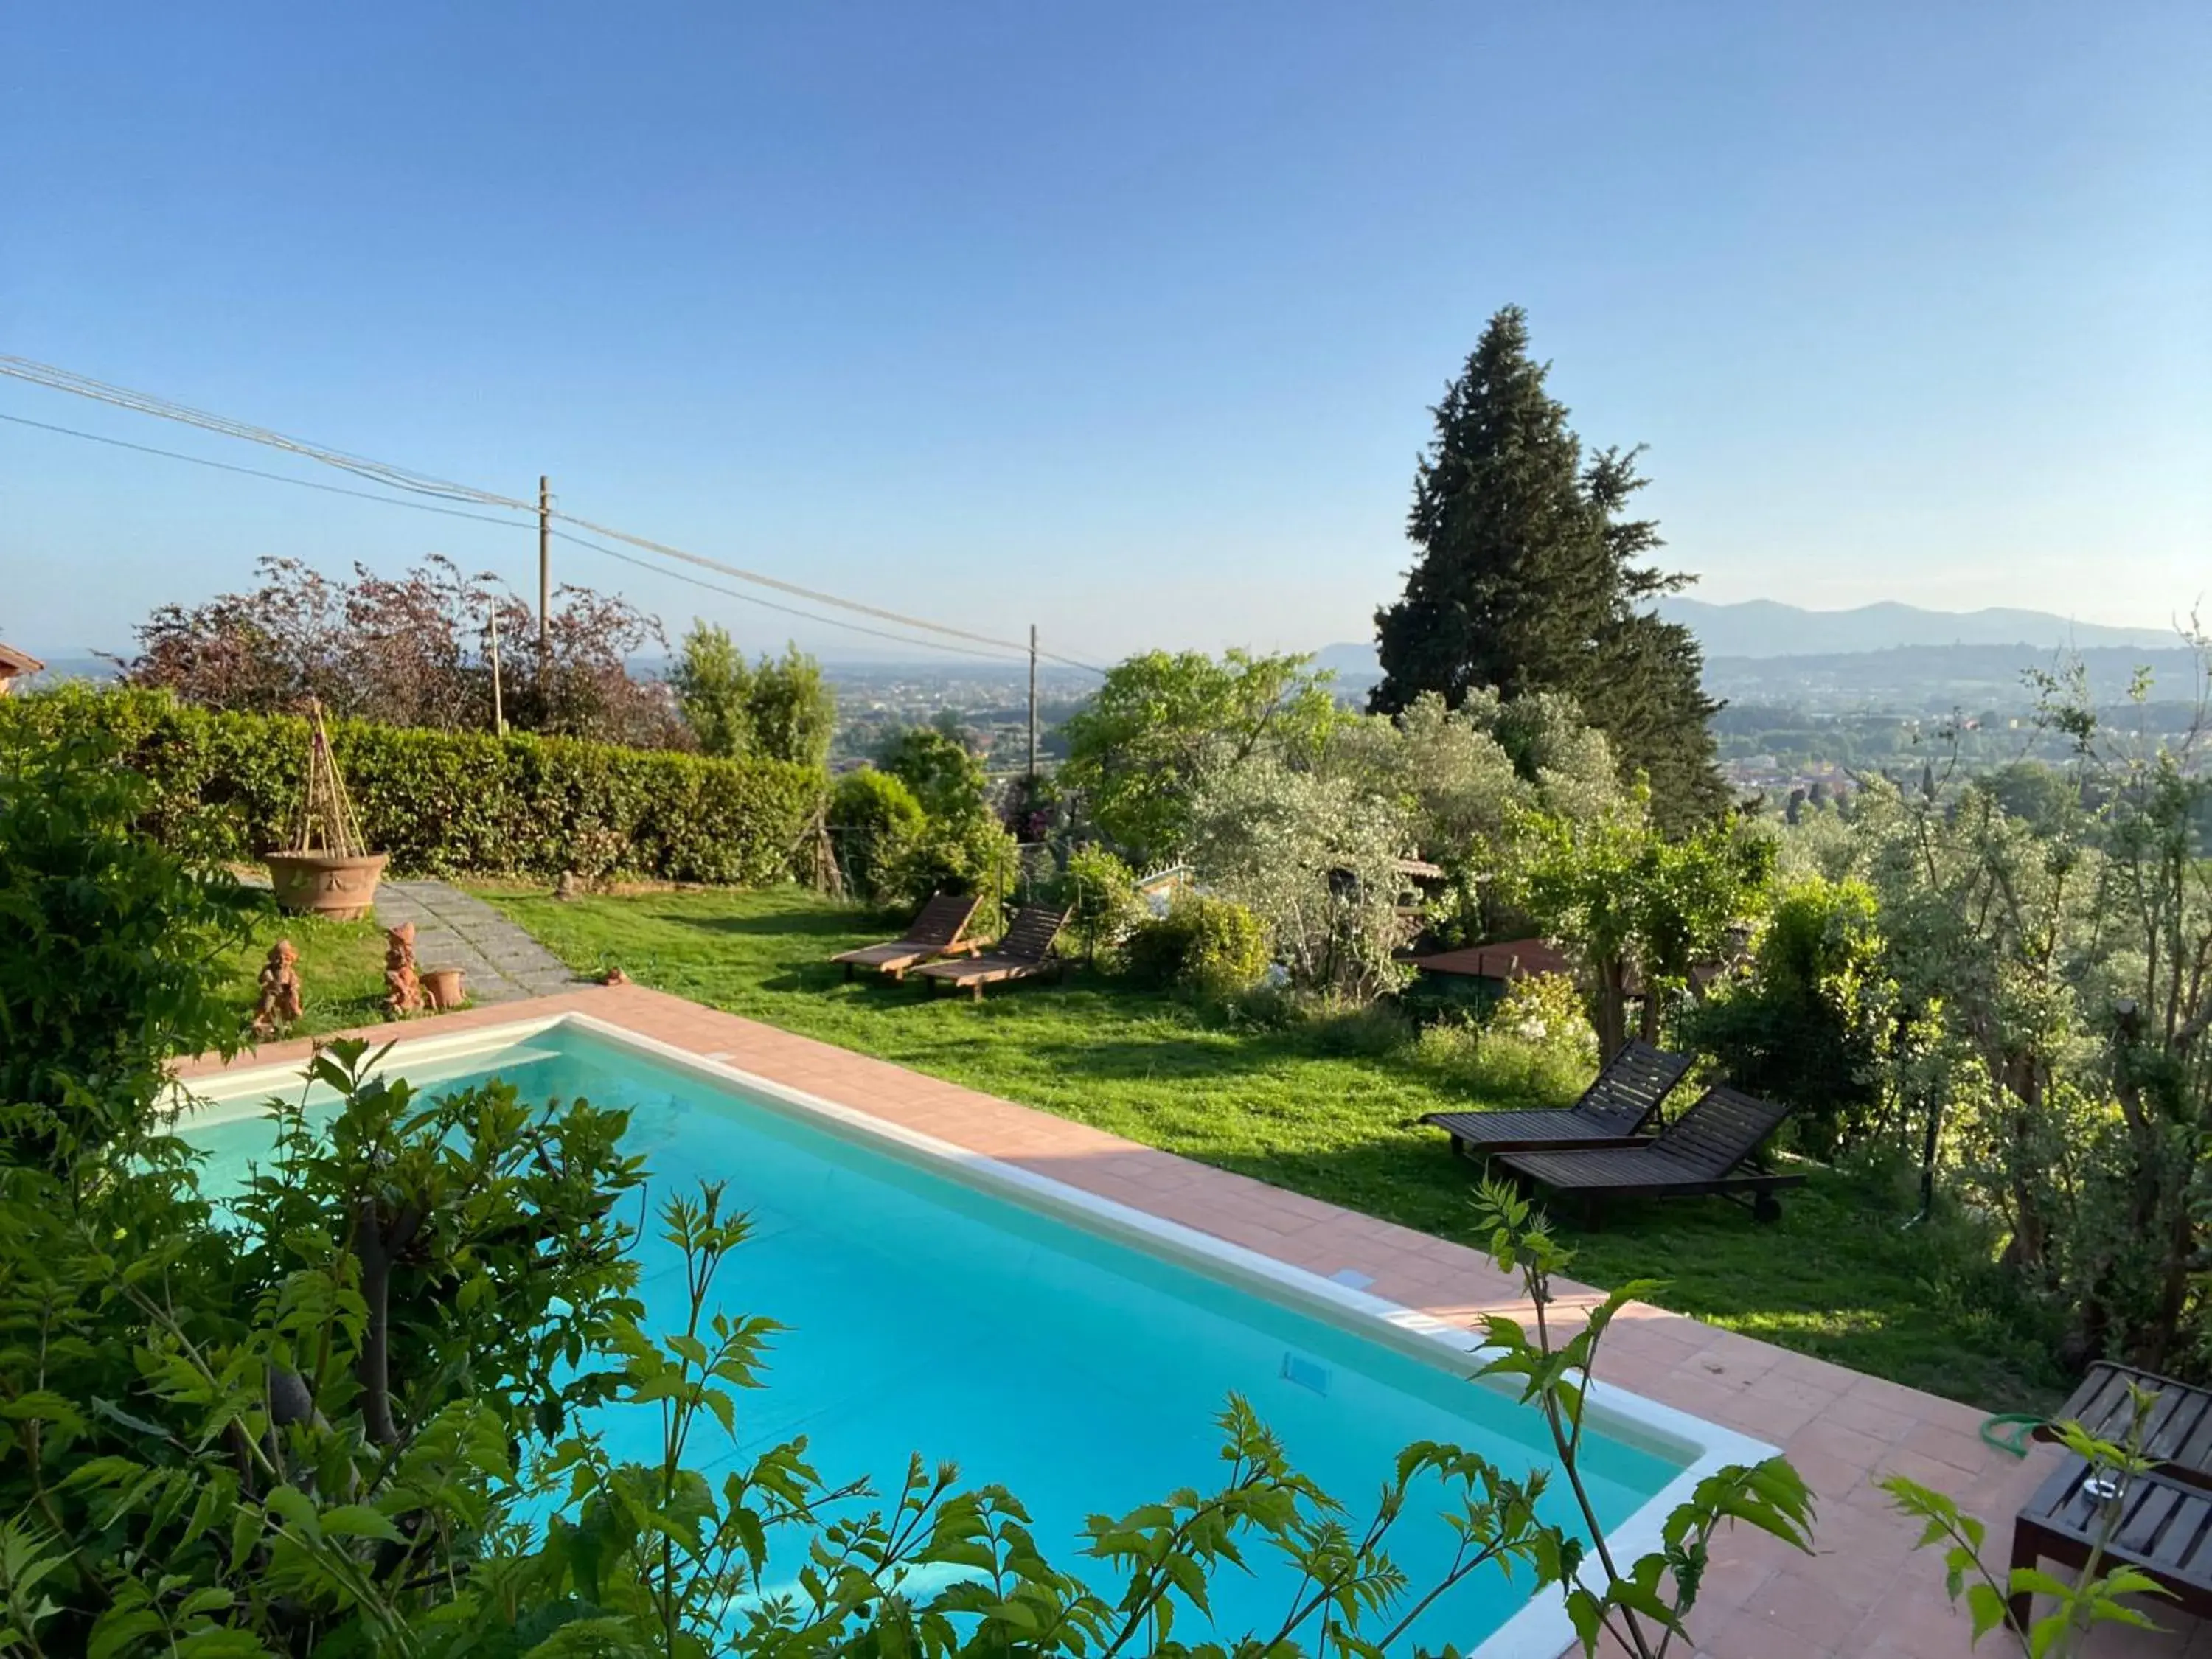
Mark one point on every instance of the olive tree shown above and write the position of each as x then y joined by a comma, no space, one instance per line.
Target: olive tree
1316,858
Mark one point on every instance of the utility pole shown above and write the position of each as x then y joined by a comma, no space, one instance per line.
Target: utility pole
498,705
545,579
1033,771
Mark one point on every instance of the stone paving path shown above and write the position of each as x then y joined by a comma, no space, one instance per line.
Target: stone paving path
499,961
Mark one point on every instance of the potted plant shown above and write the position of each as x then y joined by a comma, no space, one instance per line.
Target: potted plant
326,871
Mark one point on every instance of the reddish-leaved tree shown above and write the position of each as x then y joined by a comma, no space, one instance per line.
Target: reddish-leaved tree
413,650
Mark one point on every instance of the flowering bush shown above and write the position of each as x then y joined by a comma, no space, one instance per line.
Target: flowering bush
1546,1011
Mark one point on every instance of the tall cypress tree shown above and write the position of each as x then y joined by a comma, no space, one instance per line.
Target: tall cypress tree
1530,578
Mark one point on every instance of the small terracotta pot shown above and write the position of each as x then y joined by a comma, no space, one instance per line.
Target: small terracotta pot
441,988
340,888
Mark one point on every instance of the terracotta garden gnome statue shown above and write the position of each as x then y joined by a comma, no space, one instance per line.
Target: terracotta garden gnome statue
279,1006
402,989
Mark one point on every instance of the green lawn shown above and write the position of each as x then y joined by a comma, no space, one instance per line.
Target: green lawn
341,968
1329,1111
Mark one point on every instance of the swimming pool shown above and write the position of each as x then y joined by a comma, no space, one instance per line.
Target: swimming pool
1070,1348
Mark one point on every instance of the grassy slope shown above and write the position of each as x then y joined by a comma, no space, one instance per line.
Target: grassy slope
1306,1110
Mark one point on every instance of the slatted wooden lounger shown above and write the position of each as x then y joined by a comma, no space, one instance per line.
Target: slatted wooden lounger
1023,952
2165,1527
2177,1431
1611,1112
2165,1516
1698,1152
936,933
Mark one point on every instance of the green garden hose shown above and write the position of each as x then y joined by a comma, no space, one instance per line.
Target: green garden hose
2009,1430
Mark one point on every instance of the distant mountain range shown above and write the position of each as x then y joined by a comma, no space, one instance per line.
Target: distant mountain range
1767,627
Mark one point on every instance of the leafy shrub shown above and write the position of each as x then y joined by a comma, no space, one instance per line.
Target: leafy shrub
1804,1028
1365,1030
1100,892
948,781
973,854
111,963
225,787
1547,1013
1210,946
871,813
1448,999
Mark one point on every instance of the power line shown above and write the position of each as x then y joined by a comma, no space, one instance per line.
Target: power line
145,403
485,517
778,583
257,472
788,609
396,477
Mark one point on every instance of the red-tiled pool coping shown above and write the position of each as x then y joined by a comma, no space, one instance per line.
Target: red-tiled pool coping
1863,1595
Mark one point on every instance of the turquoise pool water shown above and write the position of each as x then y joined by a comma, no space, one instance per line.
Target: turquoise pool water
1079,1371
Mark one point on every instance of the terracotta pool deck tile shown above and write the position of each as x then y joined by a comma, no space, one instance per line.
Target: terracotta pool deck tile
1771,1421
1656,1332
1884,1423
1788,1394
1864,1595
1740,1359
1853,1447
1806,1606
1947,1444
1832,1480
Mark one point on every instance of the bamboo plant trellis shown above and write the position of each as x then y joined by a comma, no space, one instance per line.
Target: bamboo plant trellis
327,823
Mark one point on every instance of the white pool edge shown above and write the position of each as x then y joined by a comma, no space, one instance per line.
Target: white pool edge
1540,1630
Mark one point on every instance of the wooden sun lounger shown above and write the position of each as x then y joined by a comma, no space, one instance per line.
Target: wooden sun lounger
1023,952
2164,1529
1612,1111
936,933
1698,1152
2177,1433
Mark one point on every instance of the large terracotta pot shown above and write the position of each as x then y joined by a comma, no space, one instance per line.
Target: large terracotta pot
340,887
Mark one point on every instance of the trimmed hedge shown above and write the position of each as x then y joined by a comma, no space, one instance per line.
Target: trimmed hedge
440,803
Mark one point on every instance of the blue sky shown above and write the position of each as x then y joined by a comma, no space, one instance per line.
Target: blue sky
1119,319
